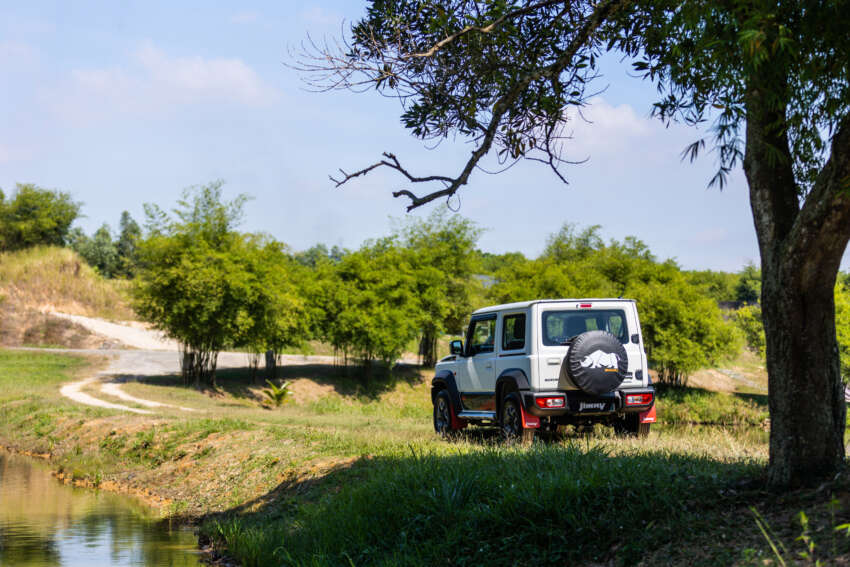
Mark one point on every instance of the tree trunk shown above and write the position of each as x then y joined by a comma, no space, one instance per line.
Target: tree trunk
428,348
271,365
801,249
806,396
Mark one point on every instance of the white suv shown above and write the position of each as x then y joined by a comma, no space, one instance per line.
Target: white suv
544,363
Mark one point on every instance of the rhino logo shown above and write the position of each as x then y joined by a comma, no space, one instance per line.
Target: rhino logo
599,358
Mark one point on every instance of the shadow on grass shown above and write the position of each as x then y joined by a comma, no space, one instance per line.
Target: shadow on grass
346,381
496,505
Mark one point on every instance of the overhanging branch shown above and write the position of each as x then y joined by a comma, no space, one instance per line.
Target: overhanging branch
501,111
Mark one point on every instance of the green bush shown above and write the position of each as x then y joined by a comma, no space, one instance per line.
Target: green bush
34,216
748,320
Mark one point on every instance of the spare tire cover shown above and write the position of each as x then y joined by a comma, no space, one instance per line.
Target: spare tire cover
597,362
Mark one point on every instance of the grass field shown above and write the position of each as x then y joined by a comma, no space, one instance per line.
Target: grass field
348,474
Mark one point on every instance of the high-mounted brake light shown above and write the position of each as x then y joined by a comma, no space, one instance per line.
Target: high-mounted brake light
639,399
585,305
550,402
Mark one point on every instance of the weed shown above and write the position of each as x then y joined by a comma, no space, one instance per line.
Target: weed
277,395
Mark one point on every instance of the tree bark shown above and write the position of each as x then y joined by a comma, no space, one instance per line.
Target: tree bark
801,242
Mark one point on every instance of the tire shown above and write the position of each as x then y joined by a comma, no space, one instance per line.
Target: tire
597,362
631,426
443,414
511,421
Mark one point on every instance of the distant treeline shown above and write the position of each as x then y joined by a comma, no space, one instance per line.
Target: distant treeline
212,287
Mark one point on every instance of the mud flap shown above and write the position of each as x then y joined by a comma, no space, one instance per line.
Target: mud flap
647,416
457,423
530,421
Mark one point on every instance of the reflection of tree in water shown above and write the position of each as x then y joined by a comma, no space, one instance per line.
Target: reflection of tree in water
43,522
25,548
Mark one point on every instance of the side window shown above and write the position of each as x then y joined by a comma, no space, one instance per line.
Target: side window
482,335
513,332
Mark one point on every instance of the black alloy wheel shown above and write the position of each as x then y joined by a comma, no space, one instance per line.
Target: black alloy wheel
511,421
630,426
442,414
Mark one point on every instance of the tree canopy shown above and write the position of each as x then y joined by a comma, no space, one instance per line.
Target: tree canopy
33,216
210,287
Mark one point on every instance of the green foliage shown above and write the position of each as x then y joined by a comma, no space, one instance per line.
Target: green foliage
99,251
748,320
705,60
569,246
366,304
683,328
719,286
748,289
129,234
440,251
277,395
209,287
110,257
34,216
319,253
842,326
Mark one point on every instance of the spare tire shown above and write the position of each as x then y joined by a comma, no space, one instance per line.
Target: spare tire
597,362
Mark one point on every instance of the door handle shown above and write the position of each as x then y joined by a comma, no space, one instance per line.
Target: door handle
488,366
553,361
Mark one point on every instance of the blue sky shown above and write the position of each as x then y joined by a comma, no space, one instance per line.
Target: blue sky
122,103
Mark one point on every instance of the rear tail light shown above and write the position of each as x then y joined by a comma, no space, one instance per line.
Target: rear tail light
639,399
550,402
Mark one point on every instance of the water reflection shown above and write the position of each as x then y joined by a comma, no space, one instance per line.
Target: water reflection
43,522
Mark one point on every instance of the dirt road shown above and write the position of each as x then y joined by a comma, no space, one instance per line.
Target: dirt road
152,354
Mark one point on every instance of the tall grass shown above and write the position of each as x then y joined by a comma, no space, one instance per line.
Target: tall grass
59,278
495,506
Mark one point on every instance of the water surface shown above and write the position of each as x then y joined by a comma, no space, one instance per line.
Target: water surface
46,523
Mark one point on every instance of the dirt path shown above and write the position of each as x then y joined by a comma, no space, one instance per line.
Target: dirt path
129,365
156,355
132,334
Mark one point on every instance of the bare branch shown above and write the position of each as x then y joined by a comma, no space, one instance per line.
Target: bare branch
392,162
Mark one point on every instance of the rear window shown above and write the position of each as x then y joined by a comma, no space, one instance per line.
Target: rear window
560,326
513,332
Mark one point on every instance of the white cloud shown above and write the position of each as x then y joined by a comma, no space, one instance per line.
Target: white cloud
195,78
601,126
153,81
316,15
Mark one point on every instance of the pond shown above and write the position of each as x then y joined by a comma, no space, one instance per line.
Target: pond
46,523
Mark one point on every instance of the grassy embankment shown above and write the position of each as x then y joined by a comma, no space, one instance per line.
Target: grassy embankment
53,278
348,474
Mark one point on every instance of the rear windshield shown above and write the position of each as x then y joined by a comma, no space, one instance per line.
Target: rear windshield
560,326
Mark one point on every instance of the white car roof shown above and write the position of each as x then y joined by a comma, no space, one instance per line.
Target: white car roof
524,304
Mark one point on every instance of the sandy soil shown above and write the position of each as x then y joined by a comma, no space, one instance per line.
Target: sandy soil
132,334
